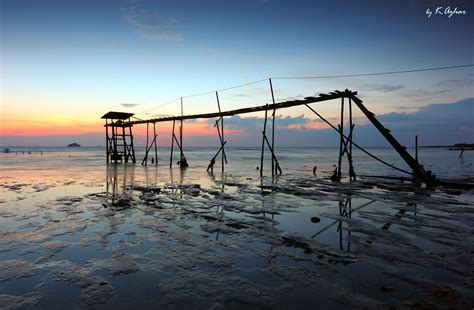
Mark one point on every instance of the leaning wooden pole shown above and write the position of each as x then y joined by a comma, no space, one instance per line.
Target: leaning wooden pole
418,171
221,133
273,127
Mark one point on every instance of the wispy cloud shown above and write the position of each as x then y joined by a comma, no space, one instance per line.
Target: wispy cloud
382,87
150,24
456,83
426,94
241,95
440,88
129,105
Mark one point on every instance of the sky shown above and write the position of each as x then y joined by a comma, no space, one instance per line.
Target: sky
63,64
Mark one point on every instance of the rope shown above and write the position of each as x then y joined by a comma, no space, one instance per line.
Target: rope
316,77
370,74
357,146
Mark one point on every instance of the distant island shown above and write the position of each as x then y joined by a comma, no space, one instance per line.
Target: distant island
73,145
463,146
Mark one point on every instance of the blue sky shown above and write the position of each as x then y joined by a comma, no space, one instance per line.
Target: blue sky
68,62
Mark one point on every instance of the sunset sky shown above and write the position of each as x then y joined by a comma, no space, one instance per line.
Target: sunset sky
63,64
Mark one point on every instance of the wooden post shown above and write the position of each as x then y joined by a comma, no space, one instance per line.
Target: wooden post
114,137
172,145
156,150
145,160
107,139
351,128
263,141
131,142
352,175
341,141
273,128
125,153
181,134
416,148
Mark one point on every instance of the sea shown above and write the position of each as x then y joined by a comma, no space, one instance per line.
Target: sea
76,232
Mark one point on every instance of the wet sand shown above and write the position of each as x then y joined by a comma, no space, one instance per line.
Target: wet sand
75,232
117,238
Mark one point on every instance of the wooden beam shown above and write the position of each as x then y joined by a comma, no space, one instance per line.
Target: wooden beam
418,170
280,105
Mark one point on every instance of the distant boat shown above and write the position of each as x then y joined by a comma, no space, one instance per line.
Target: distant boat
73,145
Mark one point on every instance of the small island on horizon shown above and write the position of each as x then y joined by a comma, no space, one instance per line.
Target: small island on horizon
74,145
462,146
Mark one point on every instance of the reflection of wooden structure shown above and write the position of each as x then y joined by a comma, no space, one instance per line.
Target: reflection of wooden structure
119,137
116,194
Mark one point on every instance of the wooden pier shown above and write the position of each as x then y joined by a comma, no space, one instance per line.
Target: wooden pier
119,120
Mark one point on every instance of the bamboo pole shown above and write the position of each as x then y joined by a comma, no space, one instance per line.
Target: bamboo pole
263,141
172,145
156,150
181,134
145,160
341,140
416,148
107,139
351,127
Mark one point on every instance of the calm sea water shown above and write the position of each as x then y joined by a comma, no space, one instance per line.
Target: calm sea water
443,162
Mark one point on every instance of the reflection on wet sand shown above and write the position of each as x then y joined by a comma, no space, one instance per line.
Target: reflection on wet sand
213,240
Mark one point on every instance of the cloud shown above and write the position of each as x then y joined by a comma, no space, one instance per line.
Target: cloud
442,87
427,94
437,114
241,96
382,87
255,124
456,83
150,24
129,105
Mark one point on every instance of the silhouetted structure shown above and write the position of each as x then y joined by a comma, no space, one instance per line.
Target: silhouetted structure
345,140
119,137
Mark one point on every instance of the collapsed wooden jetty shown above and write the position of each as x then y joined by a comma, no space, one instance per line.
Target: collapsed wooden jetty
120,148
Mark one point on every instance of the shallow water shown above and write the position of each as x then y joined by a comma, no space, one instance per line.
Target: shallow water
76,232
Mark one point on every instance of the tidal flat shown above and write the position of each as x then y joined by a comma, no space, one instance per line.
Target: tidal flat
124,236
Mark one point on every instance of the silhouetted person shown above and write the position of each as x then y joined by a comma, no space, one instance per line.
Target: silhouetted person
314,169
183,163
152,161
41,153
462,152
